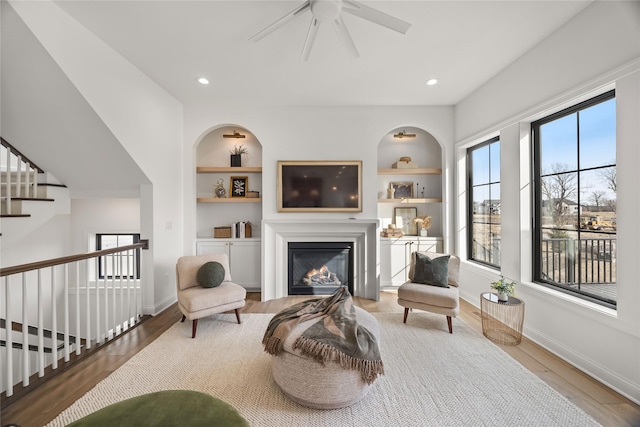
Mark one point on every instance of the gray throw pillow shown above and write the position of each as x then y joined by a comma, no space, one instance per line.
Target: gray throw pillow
210,275
430,271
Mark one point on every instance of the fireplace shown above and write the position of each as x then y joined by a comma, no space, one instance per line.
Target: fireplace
278,233
319,268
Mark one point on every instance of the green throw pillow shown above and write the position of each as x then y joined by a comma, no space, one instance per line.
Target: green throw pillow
210,275
430,271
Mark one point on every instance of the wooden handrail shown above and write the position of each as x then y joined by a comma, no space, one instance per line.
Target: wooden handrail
16,269
24,158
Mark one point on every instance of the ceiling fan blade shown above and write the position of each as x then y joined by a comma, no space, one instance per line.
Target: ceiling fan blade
370,14
280,22
311,37
345,37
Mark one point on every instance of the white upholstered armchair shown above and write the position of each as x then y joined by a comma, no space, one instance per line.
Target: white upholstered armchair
196,301
432,286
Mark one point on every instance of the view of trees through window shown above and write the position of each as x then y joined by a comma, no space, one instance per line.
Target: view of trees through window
484,203
575,221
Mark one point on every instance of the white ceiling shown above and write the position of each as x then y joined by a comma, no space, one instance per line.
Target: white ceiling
462,43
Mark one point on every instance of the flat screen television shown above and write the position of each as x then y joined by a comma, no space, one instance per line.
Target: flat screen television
319,186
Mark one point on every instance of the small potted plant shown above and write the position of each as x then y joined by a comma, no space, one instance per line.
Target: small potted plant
424,223
503,288
236,155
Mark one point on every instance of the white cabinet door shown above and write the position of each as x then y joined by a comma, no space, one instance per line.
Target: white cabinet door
395,257
394,262
244,259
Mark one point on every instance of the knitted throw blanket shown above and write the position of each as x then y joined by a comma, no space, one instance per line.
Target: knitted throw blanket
337,336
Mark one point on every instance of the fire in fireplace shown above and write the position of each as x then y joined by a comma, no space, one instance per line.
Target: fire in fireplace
319,268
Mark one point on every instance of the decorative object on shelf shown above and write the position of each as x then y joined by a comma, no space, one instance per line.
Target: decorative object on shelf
253,194
236,155
391,191
391,231
235,134
404,163
503,288
424,223
402,190
241,229
404,134
222,232
238,186
403,218
219,190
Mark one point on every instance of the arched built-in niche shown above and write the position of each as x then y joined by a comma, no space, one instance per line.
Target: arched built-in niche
212,164
423,176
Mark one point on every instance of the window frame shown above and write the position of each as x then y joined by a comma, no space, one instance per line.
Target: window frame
537,195
101,275
470,187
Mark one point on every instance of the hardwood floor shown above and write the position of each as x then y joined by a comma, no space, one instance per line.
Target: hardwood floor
43,404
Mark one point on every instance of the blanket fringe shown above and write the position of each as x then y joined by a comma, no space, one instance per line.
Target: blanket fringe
273,345
369,369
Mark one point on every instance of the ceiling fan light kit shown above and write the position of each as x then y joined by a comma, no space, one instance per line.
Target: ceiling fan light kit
331,11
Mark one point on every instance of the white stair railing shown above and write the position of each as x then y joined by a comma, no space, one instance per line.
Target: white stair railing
18,175
31,291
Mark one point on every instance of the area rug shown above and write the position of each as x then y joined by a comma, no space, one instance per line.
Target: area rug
432,378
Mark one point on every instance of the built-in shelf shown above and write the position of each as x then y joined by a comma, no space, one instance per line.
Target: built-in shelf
414,171
423,200
229,199
228,169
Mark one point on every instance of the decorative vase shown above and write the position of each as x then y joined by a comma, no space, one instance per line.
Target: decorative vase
502,296
236,160
423,232
391,192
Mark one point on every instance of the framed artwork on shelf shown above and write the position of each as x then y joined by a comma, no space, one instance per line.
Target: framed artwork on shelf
402,190
403,218
238,186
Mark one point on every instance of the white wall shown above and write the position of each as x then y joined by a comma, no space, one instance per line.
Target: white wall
308,133
600,39
91,216
143,118
597,50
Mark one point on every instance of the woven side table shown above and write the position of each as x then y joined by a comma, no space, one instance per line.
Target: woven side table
502,321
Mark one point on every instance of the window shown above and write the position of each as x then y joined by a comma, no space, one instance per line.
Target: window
575,200
484,202
118,265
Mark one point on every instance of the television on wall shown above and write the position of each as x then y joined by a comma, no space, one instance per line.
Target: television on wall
319,186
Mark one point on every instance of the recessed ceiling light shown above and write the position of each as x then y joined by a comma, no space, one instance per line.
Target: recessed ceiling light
203,80
432,82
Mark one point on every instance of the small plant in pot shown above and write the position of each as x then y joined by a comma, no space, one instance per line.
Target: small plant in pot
236,155
503,288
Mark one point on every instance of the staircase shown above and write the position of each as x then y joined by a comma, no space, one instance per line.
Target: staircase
19,186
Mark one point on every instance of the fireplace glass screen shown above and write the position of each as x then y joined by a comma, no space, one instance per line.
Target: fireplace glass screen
319,268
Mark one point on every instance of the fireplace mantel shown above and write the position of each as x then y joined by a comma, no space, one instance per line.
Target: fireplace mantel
277,233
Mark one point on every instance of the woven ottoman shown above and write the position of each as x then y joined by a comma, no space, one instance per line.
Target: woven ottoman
314,385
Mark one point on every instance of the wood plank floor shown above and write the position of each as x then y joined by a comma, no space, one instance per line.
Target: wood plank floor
43,404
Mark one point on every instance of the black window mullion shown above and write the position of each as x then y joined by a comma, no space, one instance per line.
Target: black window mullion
538,232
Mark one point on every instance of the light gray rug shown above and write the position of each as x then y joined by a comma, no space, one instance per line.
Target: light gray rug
432,378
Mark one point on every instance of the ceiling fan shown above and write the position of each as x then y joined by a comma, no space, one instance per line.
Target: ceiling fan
330,11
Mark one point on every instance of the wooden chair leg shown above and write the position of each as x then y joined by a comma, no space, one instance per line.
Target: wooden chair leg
406,313
238,316
194,327
449,324
183,317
